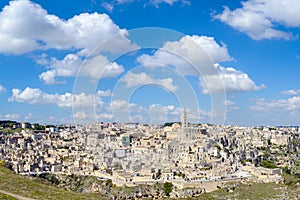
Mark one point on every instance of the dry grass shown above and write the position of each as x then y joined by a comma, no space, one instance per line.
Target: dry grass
34,188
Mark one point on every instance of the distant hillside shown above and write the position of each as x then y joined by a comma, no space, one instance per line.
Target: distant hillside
7,123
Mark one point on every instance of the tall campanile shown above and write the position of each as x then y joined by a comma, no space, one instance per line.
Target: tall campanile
184,120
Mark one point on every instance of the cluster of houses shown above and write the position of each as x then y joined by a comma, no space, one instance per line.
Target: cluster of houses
133,154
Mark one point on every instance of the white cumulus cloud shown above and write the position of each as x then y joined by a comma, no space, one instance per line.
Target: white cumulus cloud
110,5
230,105
26,26
206,53
289,104
232,80
121,105
12,116
291,92
2,89
170,2
80,115
66,100
105,93
259,19
94,68
202,50
141,79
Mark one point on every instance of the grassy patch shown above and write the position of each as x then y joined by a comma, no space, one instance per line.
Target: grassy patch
6,197
290,179
255,191
34,188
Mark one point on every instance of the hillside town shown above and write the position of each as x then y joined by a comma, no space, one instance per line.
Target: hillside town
187,155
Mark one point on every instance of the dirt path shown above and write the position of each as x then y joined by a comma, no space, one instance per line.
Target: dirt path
15,195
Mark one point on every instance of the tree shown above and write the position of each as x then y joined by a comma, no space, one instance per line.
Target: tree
168,186
268,164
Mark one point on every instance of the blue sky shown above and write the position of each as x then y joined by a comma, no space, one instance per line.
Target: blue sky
232,62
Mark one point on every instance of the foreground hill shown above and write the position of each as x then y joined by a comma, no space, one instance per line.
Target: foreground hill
14,186
35,188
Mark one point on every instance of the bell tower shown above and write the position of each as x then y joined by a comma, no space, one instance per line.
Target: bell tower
184,120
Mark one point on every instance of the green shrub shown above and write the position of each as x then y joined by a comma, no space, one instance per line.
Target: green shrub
268,164
168,187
